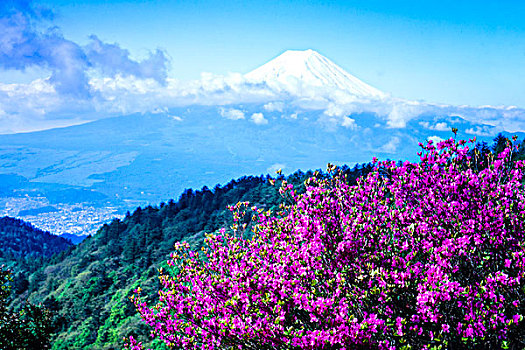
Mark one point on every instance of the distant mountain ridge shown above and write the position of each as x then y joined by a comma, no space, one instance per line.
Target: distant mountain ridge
19,239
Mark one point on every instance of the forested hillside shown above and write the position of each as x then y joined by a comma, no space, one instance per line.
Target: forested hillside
20,239
87,290
24,249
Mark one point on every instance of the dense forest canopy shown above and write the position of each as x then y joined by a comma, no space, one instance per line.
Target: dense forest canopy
20,239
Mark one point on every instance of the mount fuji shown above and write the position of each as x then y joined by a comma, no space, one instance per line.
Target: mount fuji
298,111
296,72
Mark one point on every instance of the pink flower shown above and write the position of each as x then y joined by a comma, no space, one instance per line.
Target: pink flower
445,327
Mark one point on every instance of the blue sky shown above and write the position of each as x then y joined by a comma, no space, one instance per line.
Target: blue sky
449,52
458,52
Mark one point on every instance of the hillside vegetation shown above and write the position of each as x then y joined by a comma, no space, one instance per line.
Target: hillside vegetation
20,239
87,287
24,249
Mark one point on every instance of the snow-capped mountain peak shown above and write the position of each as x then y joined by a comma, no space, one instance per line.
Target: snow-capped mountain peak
295,71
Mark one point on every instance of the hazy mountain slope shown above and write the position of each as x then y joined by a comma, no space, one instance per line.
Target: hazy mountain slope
119,163
120,157
24,249
19,239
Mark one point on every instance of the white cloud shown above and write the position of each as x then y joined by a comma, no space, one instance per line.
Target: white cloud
159,110
441,126
435,139
349,123
37,106
338,115
481,131
31,39
258,118
335,110
390,146
289,116
402,112
38,103
231,113
274,106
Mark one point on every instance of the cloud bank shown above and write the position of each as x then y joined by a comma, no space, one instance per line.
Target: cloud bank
102,79
28,39
259,119
231,113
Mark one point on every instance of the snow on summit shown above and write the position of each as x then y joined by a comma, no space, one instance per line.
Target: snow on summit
303,73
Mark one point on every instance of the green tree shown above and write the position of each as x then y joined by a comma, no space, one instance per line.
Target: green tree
500,143
29,328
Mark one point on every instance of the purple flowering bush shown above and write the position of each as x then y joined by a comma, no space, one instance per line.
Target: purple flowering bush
426,255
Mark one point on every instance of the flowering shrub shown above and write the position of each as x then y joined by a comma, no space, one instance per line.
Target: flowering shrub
417,256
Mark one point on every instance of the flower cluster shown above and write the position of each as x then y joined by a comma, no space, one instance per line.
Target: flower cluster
416,256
